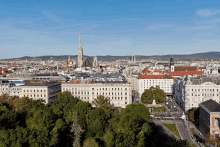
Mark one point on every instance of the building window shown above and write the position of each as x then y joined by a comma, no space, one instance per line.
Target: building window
125,102
92,88
125,98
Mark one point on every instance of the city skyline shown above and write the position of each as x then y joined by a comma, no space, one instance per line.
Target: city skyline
108,28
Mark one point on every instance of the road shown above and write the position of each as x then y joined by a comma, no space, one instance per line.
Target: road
176,112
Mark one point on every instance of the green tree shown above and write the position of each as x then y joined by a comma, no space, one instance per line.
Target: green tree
90,142
97,122
64,94
102,102
82,109
153,93
43,131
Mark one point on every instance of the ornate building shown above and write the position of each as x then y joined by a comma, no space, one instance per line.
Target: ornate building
95,62
80,53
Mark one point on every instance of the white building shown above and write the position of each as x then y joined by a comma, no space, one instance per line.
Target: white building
119,93
47,91
191,91
7,87
146,81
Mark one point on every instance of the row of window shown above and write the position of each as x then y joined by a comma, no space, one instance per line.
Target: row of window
213,90
35,96
94,89
35,90
112,98
98,93
109,89
203,94
158,80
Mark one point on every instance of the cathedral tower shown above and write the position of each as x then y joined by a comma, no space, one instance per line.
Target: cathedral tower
80,53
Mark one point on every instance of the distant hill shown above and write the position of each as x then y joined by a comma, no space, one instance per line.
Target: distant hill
197,56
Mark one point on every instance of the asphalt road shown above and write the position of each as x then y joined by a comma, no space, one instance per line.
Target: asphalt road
176,112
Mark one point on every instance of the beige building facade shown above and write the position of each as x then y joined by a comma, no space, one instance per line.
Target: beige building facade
44,91
119,95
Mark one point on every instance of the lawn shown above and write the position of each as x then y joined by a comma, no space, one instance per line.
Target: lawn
172,128
158,109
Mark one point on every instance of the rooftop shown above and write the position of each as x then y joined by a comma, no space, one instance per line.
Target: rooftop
211,105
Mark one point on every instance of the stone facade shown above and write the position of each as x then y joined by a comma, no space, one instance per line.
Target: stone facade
80,53
209,118
190,91
120,95
46,91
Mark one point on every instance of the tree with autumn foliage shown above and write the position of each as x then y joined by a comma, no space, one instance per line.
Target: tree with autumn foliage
153,93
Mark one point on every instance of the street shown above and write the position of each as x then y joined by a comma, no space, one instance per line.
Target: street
174,112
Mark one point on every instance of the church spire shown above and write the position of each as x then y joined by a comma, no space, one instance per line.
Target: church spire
80,43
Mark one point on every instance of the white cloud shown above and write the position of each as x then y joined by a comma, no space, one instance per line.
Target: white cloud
207,12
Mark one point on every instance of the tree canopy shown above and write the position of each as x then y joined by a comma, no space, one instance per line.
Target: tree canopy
153,93
68,121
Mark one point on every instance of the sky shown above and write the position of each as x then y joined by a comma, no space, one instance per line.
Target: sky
108,27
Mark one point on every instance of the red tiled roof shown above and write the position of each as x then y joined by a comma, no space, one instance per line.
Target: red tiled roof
5,74
85,81
66,67
181,73
71,81
78,81
90,82
158,71
4,69
202,67
186,68
145,70
151,77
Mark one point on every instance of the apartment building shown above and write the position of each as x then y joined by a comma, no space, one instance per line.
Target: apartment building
112,86
209,118
191,91
133,79
163,81
7,87
44,90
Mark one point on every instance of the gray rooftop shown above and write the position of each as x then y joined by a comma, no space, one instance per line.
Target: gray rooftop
211,105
